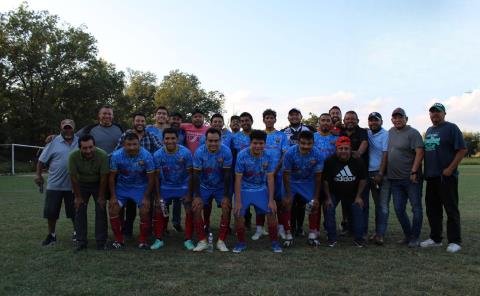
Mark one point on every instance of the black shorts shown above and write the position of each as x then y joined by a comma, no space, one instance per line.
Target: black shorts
53,204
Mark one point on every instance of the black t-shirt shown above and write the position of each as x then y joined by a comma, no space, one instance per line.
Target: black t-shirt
343,177
357,137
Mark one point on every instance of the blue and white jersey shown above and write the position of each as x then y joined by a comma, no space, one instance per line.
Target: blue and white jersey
211,166
131,171
302,167
254,169
240,141
276,144
325,144
173,167
227,137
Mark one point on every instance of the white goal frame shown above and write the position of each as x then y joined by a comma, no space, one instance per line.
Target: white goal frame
13,153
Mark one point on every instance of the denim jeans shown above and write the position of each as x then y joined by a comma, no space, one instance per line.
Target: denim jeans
356,219
381,198
404,190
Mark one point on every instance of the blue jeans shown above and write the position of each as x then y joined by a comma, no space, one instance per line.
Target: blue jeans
356,219
381,198
404,190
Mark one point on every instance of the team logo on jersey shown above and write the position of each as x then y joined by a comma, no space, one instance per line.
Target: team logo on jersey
345,175
265,164
141,163
278,140
220,159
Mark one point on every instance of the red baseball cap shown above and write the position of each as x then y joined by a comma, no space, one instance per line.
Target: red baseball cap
343,141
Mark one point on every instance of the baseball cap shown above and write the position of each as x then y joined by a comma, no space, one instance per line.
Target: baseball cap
343,141
67,122
438,107
375,115
294,110
399,111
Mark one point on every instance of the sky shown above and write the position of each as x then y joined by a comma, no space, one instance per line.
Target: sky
360,55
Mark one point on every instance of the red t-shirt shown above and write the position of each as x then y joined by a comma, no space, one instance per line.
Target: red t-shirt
193,135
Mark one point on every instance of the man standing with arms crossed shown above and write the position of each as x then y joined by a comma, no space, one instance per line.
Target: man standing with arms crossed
444,149
88,168
404,170
59,187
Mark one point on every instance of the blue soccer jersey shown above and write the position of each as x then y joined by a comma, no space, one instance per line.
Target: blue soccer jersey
325,144
132,172
303,167
254,169
277,144
227,137
211,166
173,167
240,141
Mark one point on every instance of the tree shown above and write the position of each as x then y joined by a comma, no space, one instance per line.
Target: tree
181,92
312,120
472,140
48,72
140,91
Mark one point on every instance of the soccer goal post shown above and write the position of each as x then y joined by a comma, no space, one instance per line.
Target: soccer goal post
30,156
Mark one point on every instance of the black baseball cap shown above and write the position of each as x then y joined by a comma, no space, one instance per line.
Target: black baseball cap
375,115
399,111
294,110
437,107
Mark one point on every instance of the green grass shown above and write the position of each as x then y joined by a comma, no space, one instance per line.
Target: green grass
471,161
29,269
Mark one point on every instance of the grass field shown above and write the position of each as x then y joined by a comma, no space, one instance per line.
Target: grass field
29,269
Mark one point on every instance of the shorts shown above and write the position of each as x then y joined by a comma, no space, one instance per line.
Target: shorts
305,190
207,194
133,193
168,194
53,204
258,199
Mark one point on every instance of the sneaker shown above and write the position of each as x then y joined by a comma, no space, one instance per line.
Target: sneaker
50,240
288,240
414,243
239,248
157,244
178,227
276,248
188,244
221,246
143,246
117,245
281,232
313,239
453,248
201,246
359,242
332,244
430,243
258,234
74,236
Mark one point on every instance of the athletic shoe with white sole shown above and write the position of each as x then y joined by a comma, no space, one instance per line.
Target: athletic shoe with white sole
188,244
430,243
239,248
221,246
50,240
201,246
453,248
157,244
276,248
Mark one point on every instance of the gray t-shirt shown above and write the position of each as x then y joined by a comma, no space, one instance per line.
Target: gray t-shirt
55,156
401,151
106,137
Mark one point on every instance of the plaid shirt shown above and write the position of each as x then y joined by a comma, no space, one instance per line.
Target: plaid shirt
149,141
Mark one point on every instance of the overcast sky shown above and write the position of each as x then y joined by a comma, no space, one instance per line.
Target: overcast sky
361,55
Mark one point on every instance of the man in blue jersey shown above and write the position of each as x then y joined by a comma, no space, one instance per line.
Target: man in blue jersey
217,122
234,124
254,185
276,145
302,176
131,178
173,163
161,122
324,139
212,180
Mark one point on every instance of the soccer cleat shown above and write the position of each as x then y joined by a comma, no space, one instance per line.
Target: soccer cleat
221,246
240,247
430,243
117,245
359,242
201,246
188,244
453,248
143,246
157,244
50,240
332,244
276,248
414,243
258,234
288,240
313,239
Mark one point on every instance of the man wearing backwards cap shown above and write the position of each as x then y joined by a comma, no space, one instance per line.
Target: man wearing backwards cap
404,164
379,186
55,156
444,149
345,178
